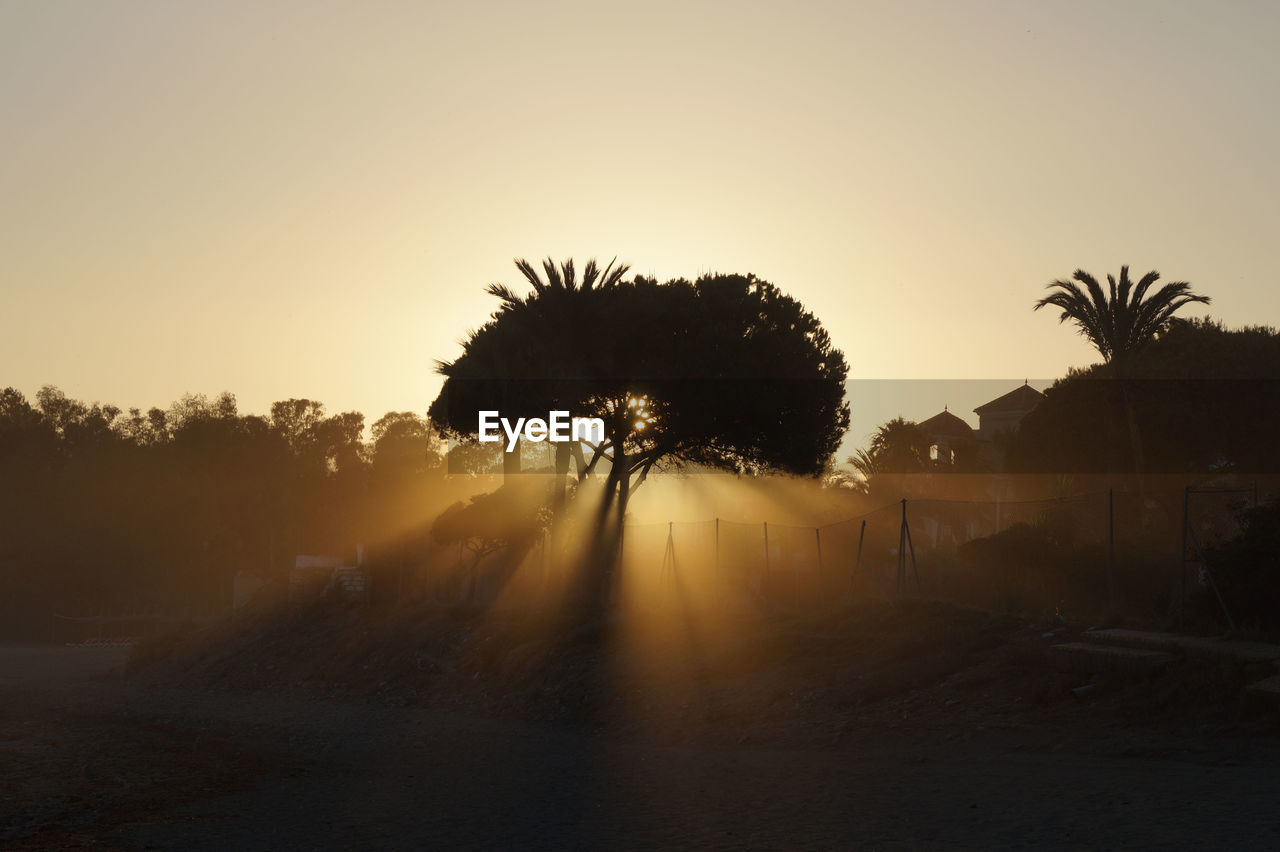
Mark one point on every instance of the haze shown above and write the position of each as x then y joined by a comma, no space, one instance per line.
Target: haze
305,199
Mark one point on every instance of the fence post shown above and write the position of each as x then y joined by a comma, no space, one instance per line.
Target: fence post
857,564
766,551
817,535
668,558
1111,550
915,569
901,553
1182,555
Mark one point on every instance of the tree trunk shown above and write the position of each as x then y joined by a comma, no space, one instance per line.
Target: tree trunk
559,499
580,458
1135,439
624,497
560,486
511,462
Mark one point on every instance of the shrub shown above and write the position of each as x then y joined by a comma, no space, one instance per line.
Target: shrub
1247,572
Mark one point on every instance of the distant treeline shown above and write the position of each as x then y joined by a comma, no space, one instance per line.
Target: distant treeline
107,511
110,511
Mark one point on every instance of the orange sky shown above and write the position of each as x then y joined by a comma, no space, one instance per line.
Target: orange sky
305,199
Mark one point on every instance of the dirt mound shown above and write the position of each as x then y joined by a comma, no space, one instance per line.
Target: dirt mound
748,675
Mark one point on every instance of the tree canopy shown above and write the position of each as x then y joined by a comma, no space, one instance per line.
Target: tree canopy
126,511
1206,398
1121,323
725,372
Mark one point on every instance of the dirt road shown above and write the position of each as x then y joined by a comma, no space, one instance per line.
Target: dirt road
97,761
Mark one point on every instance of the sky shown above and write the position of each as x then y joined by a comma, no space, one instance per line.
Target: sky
306,199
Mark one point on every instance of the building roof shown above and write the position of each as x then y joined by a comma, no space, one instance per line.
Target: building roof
1020,400
947,425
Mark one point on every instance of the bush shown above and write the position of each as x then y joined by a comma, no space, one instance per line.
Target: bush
1042,568
1247,572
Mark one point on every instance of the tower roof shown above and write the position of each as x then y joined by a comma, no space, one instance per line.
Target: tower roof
947,425
1020,400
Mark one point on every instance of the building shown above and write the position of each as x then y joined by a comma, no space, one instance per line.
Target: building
950,434
946,432
316,575
1004,413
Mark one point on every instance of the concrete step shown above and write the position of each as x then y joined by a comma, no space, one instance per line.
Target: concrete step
1194,647
1094,658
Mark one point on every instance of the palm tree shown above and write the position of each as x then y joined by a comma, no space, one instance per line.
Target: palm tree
553,313
536,336
864,464
898,447
1122,323
560,280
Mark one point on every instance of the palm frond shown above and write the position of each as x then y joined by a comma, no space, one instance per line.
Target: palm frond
611,277
554,281
1080,308
1144,284
1122,321
505,294
589,274
864,463
530,274
1120,298
1101,330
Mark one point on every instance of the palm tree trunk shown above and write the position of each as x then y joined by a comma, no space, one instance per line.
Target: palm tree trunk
1139,457
1135,442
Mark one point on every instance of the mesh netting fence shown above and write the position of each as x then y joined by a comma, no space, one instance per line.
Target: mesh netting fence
1138,553
1081,554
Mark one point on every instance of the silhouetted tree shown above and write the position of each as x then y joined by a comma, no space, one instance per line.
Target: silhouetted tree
1205,398
518,365
562,304
104,511
1123,322
726,372
403,440
898,447
508,519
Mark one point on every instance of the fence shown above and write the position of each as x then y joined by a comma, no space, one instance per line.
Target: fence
1103,552
1107,551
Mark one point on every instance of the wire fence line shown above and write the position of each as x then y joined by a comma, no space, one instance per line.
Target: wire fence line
1144,555
1097,553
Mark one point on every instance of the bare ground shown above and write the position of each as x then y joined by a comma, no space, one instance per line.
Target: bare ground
890,727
